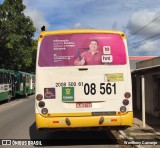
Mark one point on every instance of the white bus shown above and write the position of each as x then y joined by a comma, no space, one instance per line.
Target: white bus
83,80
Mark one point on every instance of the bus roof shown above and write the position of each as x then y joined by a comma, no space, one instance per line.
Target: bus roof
21,72
76,31
6,70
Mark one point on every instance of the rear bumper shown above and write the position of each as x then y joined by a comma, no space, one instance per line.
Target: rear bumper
89,121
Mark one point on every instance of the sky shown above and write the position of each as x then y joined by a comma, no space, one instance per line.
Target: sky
139,19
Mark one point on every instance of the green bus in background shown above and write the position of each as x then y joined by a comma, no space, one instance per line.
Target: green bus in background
15,83
32,84
7,84
25,84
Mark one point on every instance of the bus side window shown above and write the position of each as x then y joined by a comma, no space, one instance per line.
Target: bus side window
1,79
8,78
5,78
15,79
24,78
33,79
21,78
28,79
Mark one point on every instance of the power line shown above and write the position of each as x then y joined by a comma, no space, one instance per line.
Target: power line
144,26
145,39
144,43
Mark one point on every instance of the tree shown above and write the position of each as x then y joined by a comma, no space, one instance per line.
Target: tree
31,68
16,36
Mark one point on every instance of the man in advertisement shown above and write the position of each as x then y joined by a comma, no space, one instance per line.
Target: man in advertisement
91,57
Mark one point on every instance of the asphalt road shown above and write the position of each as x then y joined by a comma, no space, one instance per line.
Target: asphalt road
17,121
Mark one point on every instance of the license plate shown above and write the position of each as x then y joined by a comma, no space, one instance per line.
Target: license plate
84,105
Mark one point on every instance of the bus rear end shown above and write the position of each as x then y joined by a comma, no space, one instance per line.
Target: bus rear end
96,92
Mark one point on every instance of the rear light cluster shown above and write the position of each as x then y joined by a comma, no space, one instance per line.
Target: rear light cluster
125,102
44,111
123,109
39,97
41,104
127,95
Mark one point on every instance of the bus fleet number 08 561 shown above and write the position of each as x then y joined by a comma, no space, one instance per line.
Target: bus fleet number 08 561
105,88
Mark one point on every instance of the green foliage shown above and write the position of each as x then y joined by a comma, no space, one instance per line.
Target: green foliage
16,37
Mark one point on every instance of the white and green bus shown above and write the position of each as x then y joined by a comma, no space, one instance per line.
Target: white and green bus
83,80
7,84
15,83
25,83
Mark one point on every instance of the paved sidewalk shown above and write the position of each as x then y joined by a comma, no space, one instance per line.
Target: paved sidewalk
144,136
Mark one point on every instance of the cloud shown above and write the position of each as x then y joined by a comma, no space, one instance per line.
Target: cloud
126,15
150,48
143,18
147,48
130,4
77,25
144,41
114,26
65,14
37,18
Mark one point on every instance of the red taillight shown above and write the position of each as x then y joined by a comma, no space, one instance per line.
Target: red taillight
122,35
127,95
41,36
55,121
39,97
113,120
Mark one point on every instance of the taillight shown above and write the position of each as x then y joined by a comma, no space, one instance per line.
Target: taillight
123,109
125,102
41,36
41,104
39,97
127,95
44,111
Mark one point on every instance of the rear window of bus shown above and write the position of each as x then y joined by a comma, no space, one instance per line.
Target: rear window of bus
65,50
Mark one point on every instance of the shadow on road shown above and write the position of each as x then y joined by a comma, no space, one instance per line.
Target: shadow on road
17,98
73,137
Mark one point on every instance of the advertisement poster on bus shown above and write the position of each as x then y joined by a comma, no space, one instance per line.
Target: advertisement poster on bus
82,49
